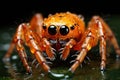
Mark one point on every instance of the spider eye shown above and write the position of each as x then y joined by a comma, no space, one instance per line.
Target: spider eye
72,27
64,30
52,30
44,27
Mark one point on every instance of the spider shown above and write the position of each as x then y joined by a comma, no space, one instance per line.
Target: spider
69,27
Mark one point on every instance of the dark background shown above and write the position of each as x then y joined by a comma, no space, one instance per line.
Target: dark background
18,11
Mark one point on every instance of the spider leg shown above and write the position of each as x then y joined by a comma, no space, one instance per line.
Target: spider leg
95,32
35,48
102,43
49,50
89,41
17,41
111,37
66,50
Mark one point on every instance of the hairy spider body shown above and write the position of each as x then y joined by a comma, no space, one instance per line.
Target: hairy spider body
68,27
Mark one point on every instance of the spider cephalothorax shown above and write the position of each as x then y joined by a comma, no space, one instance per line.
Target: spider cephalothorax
68,27
62,26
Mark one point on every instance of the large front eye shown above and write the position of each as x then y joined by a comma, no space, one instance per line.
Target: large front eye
52,30
64,30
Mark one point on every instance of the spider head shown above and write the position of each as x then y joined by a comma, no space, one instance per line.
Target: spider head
63,26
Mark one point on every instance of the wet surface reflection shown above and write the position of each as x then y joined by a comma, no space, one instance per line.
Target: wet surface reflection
89,71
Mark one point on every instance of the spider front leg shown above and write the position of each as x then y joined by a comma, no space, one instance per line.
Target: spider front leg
88,41
33,41
66,50
49,50
25,35
96,31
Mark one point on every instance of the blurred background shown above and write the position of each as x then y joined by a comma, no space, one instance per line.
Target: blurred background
15,12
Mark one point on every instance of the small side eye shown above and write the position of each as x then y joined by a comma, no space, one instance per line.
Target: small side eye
72,27
44,27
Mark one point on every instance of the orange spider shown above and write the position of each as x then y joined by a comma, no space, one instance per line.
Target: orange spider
68,27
